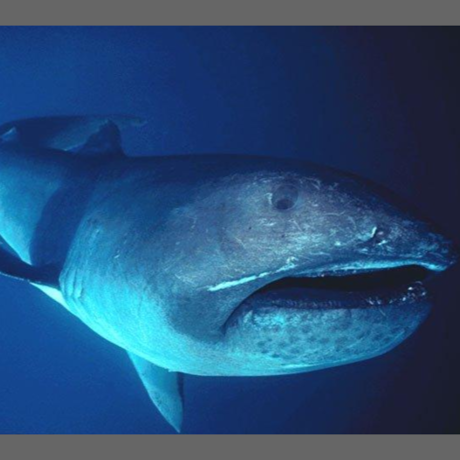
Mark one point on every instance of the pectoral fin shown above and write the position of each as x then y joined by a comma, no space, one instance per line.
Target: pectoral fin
12,266
164,388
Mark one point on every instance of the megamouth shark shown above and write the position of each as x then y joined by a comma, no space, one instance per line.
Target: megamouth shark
213,265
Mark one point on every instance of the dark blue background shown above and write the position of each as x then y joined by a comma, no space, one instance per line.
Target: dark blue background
383,103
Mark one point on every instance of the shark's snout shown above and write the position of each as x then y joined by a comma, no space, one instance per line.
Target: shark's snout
410,243
443,253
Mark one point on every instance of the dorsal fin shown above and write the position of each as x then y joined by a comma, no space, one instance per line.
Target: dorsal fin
107,141
10,136
62,133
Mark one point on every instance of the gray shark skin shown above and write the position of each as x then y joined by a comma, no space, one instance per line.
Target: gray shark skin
213,265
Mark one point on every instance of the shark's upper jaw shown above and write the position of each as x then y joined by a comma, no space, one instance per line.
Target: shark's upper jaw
344,289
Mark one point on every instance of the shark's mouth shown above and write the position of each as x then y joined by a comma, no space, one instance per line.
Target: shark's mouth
342,289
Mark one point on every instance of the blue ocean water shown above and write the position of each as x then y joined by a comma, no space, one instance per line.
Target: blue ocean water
379,102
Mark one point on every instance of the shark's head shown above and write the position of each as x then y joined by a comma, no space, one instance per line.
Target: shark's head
279,267
269,266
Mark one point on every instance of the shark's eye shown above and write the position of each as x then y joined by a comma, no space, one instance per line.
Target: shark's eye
284,197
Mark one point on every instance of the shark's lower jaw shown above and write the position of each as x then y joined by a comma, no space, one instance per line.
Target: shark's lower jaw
304,323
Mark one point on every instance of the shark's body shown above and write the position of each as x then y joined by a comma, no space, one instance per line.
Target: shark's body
178,260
